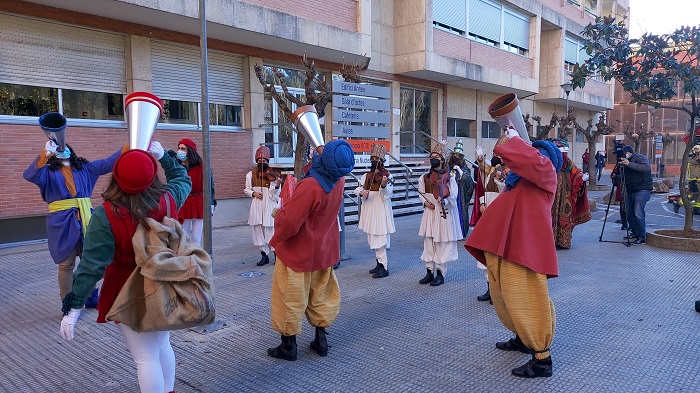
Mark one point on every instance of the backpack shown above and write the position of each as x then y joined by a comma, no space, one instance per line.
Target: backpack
172,285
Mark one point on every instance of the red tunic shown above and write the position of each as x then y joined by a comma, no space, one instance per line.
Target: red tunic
517,226
307,236
194,204
123,228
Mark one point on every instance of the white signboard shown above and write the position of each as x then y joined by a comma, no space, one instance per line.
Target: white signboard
360,103
347,131
361,90
347,115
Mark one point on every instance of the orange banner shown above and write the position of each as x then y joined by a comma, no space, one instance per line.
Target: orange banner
365,145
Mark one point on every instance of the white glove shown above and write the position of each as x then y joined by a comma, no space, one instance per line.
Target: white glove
479,151
586,176
50,148
156,149
458,170
212,210
511,133
68,323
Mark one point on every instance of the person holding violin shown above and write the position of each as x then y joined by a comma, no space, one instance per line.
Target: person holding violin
264,187
377,215
191,214
440,223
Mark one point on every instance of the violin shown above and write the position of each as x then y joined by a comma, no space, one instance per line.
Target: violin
441,189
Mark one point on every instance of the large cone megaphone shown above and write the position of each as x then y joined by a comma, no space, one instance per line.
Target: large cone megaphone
142,114
505,110
305,119
54,126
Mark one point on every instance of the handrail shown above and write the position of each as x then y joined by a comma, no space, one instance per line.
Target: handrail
354,177
352,199
400,163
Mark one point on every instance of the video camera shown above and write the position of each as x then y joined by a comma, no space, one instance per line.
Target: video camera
618,150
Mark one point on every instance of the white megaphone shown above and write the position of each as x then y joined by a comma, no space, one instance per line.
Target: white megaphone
142,112
505,110
305,120
54,126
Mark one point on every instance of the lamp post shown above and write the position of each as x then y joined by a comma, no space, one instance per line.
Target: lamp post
658,145
567,89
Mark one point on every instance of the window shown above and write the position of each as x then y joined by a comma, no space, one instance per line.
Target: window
225,115
450,15
459,128
575,52
490,129
497,25
579,136
179,112
21,100
415,121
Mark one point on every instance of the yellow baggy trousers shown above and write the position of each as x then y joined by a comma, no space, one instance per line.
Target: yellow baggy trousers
294,294
521,299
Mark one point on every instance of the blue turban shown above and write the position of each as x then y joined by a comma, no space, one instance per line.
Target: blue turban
547,149
336,161
551,151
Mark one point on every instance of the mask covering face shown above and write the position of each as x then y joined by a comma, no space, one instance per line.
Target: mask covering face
375,165
263,166
434,162
181,155
628,155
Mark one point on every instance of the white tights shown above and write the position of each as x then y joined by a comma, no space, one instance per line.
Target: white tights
154,357
194,227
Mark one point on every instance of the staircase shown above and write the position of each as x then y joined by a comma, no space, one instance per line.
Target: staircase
405,199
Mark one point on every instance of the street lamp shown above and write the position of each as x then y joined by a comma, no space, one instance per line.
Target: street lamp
567,89
658,144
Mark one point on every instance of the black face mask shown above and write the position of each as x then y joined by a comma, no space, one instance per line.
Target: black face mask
435,162
375,165
263,166
495,161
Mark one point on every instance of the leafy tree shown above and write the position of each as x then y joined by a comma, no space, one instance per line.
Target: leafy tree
653,69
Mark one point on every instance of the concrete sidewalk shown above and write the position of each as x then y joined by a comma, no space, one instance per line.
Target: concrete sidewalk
625,323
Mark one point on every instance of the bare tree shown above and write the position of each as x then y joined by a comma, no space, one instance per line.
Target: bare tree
542,132
592,132
639,136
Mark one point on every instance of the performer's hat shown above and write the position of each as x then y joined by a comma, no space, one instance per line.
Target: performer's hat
135,170
378,150
696,149
142,114
188,142
458,148
441,149
54,126
505,110
305,120
262,152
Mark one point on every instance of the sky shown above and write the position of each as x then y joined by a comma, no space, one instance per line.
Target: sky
662,16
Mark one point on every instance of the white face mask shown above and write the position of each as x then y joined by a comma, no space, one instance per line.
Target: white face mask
628,155
181,155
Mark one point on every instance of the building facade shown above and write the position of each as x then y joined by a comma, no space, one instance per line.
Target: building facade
443,62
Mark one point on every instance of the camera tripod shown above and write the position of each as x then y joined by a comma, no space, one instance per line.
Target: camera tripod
621,176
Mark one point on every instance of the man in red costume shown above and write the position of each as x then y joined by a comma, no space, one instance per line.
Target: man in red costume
514,240
307,245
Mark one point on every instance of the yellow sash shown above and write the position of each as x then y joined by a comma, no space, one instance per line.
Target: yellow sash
83,204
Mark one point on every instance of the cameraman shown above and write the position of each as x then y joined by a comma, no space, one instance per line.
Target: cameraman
638,184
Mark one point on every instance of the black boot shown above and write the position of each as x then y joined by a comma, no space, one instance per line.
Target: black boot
535,368
486,296
439,279
320,343
514,344
428,277
336,266
264,260
287,350
381,273
376,268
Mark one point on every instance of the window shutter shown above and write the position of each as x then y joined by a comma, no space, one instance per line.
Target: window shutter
485,20
570,51
49,54
516,30
177,74
452,13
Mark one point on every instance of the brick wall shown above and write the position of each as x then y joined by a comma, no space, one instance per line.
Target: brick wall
231,159
338,13
461,48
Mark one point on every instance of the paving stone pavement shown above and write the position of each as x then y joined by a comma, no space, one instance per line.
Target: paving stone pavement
625,323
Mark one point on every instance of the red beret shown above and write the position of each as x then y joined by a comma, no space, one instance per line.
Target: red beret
135,171
187,142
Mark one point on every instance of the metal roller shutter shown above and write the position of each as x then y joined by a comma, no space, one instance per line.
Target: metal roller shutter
451,13
516,29
485,19
176,74
42,53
